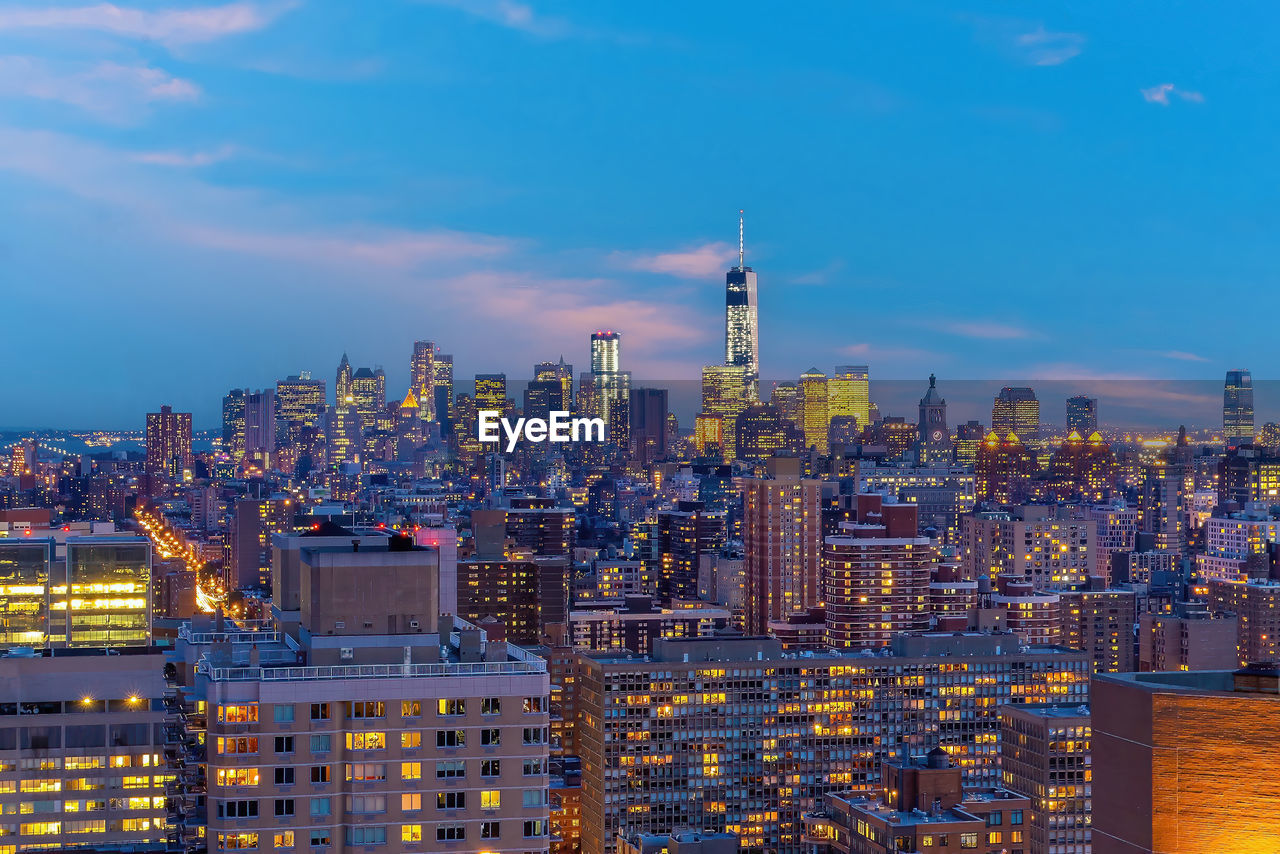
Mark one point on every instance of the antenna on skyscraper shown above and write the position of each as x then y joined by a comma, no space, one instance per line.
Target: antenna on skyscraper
741,252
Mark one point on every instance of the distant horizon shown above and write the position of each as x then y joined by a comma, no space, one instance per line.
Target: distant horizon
1124,405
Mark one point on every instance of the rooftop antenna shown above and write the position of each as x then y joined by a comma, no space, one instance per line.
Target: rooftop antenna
741,252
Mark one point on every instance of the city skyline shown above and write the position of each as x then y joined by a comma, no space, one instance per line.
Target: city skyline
1104,178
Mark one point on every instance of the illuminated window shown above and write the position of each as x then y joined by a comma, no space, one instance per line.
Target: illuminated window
490,799
410,708
366,741
282,840
410,770
410,801
451,707
238,714
410,833
410,740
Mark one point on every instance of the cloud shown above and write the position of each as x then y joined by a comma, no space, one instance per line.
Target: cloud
380,247
168,26
821,276
987,331
512,15
865,350
1160,93
1183,356
1041,47
187,159
699,262
109,90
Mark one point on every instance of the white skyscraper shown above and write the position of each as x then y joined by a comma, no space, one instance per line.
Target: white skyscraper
741,317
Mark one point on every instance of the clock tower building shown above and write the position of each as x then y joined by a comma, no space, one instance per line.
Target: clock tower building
934,444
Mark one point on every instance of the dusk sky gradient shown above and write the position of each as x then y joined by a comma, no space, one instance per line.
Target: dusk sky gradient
196,197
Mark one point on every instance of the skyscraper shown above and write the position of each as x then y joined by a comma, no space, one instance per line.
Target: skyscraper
849,394
610,386
561,373
648,424
168,445
260,424
342,384
782,533
299,403
1237,408
815,418
1016,410
233,424
491,392
726,391
443,370
422,377
741,317
1082,414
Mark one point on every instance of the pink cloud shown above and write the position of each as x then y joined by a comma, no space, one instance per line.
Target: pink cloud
110,90
168,26
1159,94
699,262
989,331
381,247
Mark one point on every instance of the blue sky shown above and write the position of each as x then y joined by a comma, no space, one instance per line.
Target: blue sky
195,197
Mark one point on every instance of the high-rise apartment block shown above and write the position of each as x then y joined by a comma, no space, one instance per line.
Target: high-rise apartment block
1082,414
1046,546
1045,754
363,725
782,539
168,447
691,735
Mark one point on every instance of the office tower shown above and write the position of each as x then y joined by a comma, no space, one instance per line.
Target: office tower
80,615
786,396
1043,545
726,393
1003,469
815,417
1237,408
1017,411
761,431
541,397
1082,414
741,319
682,535
422,377
708,435
300,403
443,368
84,770
1185,761
648,425
168,445
260,425
1191,638
638,623
369,393
1045,753
934,438
722,713
491,392
876,580
1101,623
233,424
25,566
920,804
343,393
401,731
610,386
1256,605
969,436
525,594
342,436
849,394
560,373
782,540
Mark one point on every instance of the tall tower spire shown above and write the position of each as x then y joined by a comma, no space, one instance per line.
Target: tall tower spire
741,250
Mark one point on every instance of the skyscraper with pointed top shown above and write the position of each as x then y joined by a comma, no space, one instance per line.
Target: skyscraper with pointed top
741,317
